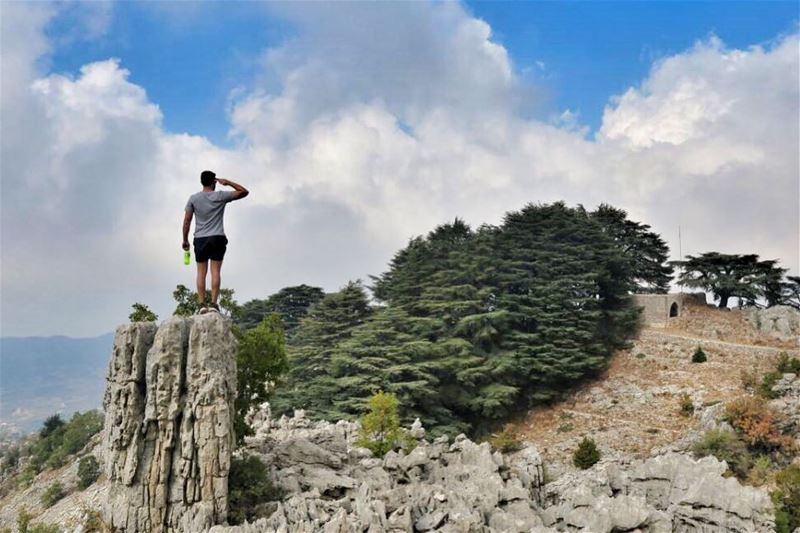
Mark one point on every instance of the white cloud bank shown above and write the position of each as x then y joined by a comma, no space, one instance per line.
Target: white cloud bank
374,124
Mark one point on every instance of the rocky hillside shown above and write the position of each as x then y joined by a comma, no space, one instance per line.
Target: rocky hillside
646,480
635,407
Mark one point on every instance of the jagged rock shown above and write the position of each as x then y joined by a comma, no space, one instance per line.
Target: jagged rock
672,492
169,424
781,321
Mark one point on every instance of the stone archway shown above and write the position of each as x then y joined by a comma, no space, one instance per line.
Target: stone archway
674,310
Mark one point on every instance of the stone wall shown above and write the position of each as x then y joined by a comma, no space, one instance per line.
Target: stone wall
168,434
656,307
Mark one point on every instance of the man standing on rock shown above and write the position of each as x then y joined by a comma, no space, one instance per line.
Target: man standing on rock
210,241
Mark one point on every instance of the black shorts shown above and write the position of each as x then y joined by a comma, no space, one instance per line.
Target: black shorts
212,247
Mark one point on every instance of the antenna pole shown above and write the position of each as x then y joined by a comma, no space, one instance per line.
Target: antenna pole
680,253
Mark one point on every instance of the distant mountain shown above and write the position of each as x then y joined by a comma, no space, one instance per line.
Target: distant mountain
40,376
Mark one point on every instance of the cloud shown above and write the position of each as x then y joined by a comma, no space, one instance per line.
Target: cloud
372,124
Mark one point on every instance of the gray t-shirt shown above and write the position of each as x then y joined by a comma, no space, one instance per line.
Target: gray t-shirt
208,209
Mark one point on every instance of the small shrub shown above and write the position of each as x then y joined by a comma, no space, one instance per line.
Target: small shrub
93,522
44,528
566,428
640,356
653,431
786,365
142,313
757,423
64,439
786,498
508,440
88,471
24,524
26,477
748,379
726,446
586,455
249,488
760,472
53,493
686,405
380,428
767,382
699,356
50,425
11,459
23,520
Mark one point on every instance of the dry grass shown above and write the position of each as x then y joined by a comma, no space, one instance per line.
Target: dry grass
636,405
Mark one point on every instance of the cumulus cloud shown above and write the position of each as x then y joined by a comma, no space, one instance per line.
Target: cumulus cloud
374,123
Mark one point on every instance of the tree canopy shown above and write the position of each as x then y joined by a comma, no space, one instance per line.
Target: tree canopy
291,303
734,275
473,326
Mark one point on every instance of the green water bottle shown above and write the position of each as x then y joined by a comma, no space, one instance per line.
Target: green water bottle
187,257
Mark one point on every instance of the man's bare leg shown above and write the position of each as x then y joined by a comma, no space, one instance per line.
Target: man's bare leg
216,267
202,270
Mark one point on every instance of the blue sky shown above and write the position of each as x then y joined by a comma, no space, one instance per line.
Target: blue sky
360,125
190,56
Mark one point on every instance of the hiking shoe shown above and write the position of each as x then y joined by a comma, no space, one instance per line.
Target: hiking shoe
213,307
203,310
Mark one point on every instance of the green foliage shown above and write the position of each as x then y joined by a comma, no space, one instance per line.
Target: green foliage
380,428
586,454
64,439
249,488
24,524
291,303
686,405
23,520
647,251
761,471
11,459
142,313
767,382
51,424
726,446
88,471
52,494
733,275
566,427
699,356
26,477
791,292
508,440
261,361
187,303
94,523
310,383
477,325
786,498
786,365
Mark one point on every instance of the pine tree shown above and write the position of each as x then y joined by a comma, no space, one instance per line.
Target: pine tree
291,303
645,250
309,383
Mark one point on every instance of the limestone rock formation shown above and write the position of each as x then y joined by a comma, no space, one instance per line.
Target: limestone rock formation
444,486
168,433
670,492
333,485
780,321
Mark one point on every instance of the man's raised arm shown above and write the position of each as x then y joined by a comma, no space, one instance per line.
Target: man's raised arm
238,192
